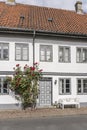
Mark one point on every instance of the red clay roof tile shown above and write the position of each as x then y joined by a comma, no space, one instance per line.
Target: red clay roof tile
34,17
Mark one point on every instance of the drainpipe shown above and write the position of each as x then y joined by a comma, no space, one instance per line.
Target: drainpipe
34,47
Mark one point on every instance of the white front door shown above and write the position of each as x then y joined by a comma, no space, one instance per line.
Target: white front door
45,92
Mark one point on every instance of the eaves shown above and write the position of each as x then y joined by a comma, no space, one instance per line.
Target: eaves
42,32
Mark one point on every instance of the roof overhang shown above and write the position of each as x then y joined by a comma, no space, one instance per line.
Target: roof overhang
41,32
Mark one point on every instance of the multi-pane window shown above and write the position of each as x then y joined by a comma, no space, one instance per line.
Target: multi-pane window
82,86
3,86
4,51
64,86
64,54
22,52
81,55
46,53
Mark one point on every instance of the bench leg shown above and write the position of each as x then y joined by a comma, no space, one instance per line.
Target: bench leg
78,105
62,106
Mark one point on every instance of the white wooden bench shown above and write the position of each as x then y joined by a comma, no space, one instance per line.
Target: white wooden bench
69,101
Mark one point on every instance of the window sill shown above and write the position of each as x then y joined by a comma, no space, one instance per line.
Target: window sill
82,94
46,61
65,94
82,62
21,60
4,94
64,62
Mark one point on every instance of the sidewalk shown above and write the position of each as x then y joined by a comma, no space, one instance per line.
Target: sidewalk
41,112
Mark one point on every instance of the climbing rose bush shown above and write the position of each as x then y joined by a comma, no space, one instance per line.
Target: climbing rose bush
25,83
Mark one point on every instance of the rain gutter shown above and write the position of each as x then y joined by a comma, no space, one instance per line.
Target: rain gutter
42,32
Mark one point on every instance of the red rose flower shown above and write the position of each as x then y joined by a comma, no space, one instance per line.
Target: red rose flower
32,68
33,74
40,70
13,68
35,63
17,65
25,67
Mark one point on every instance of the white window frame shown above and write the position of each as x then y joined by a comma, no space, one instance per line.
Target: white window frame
2,45
62,55
46,48
3,90
82,86
81,57
21,46
63,89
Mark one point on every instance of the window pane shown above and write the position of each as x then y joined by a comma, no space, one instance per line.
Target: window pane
21,51
67,86
66,55
5,52
84,55
84,86
64,86
79,86
0,53
42,56
3,86
0,85
67,81
79,55
18,53
48,55
5,89
61,86
60,54
25,53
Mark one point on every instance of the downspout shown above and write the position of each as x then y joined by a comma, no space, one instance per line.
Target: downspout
34,47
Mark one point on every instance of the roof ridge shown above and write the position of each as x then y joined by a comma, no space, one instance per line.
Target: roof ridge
30,5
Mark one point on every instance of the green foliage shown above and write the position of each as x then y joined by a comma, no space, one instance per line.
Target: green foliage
25,83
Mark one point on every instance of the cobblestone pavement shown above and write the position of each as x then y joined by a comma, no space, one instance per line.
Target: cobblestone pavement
41,112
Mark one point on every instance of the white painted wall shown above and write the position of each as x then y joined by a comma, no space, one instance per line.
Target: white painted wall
8,65
56,66
7,99
55,89
57,96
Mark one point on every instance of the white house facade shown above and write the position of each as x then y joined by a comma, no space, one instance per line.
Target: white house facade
61,53
64,71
